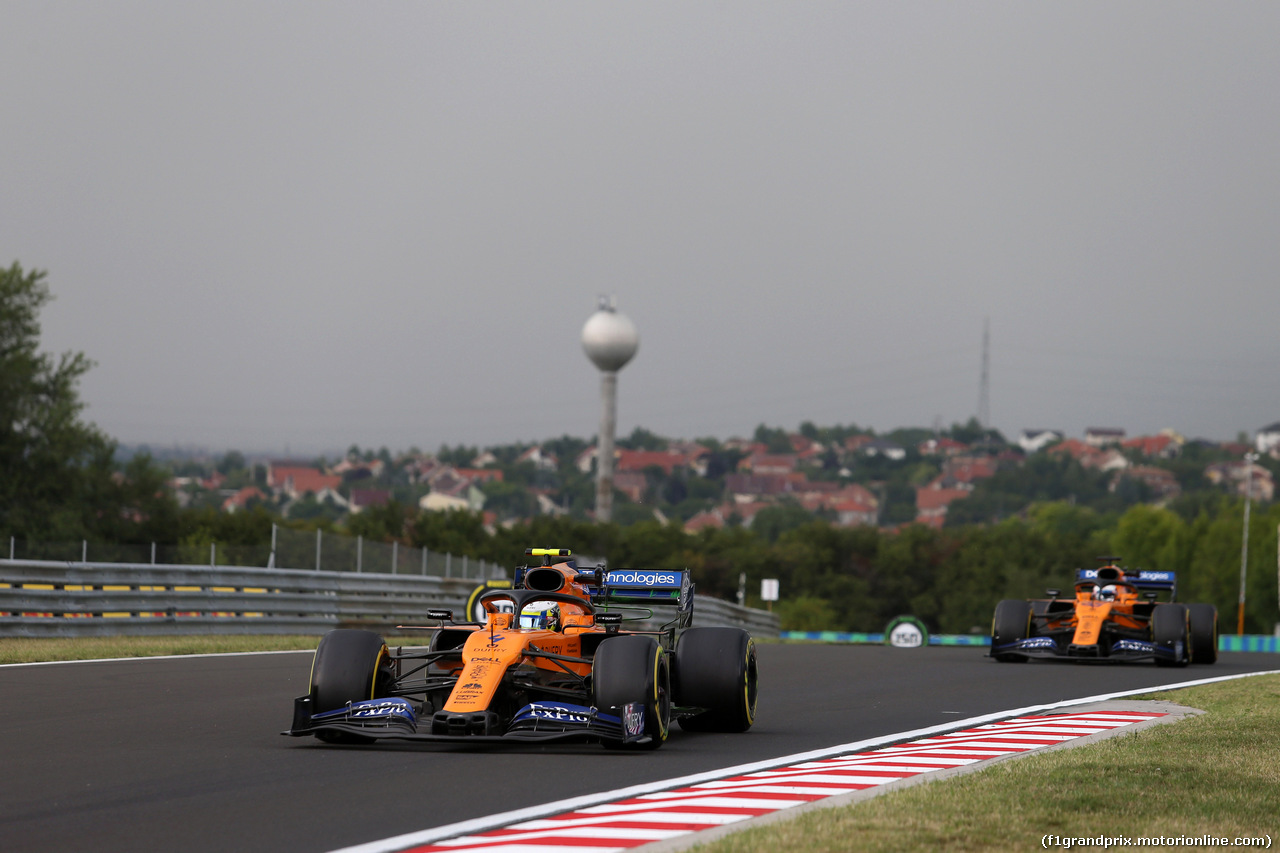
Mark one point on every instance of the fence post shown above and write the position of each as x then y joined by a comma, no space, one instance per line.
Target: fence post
464,565
213,555
424,562
395,556
11,544
317,549
359,553
448,564
84,550
271,560
153,553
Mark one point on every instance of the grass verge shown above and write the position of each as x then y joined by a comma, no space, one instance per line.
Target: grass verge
32,650
1216,774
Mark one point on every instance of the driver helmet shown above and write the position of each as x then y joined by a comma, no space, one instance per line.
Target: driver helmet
543,615
1107,593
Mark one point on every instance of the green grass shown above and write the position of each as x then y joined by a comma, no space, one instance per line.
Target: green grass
31,650
1216,774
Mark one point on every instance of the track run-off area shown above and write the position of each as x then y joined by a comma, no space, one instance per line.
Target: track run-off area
185,752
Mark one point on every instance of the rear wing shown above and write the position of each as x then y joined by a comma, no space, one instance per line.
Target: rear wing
644,587
1143,580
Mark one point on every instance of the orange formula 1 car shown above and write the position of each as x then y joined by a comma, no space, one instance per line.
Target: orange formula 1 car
1114,615
550,661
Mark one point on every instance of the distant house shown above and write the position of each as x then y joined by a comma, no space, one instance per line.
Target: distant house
1160,481
1103,436
884,447
540,460
1035,440
638,460
701,521
1163,446
932,503
1268,439
942,447
854,443
364,498
756,486
1240,478
241,499
766,463
633,484
295,481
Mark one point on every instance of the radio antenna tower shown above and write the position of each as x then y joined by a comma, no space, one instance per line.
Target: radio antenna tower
984,388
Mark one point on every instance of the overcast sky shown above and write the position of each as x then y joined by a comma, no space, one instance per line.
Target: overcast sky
298,226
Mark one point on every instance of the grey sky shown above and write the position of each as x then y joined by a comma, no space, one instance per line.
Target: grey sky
308,225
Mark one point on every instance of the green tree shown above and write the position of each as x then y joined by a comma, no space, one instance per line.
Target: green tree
57,469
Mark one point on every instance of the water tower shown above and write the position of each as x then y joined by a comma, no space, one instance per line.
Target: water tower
610,340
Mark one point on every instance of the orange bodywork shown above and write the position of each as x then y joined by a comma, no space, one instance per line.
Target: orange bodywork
490,652
1090,615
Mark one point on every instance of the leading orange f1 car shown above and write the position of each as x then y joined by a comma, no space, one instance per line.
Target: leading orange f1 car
1114,615
550,661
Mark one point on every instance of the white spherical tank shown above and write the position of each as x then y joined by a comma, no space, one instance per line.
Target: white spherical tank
610,338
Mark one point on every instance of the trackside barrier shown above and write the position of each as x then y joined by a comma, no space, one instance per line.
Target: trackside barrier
59,599
1226,642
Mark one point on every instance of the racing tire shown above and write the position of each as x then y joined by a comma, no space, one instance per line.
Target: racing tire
1203,622
630,669
715,669
350,665
1012,622
1169,628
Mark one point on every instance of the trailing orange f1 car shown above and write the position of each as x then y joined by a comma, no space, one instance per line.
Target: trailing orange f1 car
550,661
1114,615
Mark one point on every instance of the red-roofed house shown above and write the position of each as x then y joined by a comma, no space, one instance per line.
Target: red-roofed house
296,481
932,503
942,447
767,463
364,498
1159,446
241,499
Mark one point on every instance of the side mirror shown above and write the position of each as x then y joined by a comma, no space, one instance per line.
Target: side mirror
441,615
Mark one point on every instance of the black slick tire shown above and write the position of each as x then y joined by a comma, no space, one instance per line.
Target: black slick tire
347,667
715,669
1169,629
629,669
1012,622
1203,621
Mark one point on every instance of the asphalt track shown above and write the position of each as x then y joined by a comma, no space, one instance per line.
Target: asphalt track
185,754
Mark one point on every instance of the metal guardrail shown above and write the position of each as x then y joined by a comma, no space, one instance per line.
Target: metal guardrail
58,599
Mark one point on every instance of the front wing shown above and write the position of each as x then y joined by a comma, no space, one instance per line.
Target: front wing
1117,650
378,719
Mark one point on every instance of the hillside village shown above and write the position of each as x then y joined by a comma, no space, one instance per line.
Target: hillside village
848,478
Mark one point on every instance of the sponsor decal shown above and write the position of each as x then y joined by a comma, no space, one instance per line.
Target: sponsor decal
560,713
473,686
632,720
1132,646
631,577
1037,643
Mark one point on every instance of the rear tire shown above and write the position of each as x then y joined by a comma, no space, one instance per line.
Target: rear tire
630,669
1012,622
1203,619
715,669
1169,628
349,666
